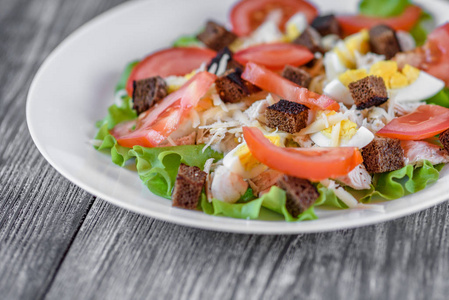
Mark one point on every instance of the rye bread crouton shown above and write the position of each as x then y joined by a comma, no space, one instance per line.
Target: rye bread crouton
297,75
216,36
188,186
383,40
311,39
301,194
327,25
383,155
232,88
147,92
369,91
444,139
287,116
214,64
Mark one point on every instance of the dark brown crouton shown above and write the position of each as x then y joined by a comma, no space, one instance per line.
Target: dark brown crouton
310,39
147,92
188,186
383,41
297,75
326,25
369,91
231,63
444,139
383,155
232,88
301,194
287,116
216,36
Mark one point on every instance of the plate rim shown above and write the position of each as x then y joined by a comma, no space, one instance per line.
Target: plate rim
238,225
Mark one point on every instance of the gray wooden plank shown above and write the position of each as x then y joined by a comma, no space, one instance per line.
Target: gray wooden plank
120,255
40,211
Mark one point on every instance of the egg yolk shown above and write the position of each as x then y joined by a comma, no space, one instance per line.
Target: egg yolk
247,159
346,50
172,88
352,75
347,130
388,70
291,32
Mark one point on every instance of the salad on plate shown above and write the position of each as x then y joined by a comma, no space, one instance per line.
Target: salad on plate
288,110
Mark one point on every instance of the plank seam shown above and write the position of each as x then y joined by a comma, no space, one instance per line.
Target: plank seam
61,261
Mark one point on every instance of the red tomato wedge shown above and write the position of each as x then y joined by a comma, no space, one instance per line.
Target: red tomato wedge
275,56
155,125
173,61
437,50
247,15
274,83
311,163
425,122
405,21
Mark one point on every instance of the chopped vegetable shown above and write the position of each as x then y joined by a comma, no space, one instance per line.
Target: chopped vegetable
311,163
276,84
172,61
275,56
425,122
406,21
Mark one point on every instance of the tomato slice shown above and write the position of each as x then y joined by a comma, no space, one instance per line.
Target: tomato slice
425,122
274,83
247,15
405,21
155,125
437,50
311,163
275,56
173,61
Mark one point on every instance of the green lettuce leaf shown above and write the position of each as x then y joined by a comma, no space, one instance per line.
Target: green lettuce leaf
396,184
422,28
117,114
442,98
158,167
121,84
328,198
119,154
187,41
275,200
383,8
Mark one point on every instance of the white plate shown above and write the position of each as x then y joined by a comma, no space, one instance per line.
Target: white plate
74,87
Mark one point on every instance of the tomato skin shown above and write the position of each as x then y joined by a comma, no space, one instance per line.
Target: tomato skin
247,15
314,164
274,83
155,125
172,61
425,122
275,56
437,50
406,21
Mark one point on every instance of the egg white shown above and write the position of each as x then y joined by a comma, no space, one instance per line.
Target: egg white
232,162
339,92
424,87
360,139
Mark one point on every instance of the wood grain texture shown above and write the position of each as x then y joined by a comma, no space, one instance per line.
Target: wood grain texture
58,242
120,255
40,211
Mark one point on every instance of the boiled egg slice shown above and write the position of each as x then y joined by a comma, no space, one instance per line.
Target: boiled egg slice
343,134
424,87
242,162
295,26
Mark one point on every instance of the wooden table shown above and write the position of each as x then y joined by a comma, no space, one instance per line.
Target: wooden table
59,242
